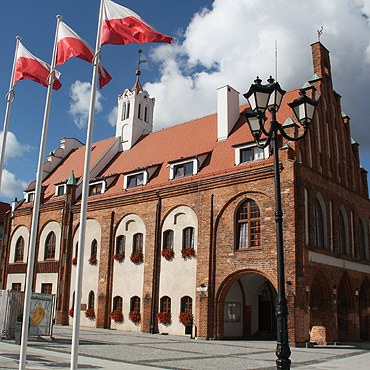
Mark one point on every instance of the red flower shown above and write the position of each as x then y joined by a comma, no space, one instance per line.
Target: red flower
74,261
164,318
168,254
90,314
119,257
188,253
71,312
93,260
135,317
137,257
117,316
186,318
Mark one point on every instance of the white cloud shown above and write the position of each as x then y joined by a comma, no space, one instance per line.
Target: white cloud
233,42
112,116
10,186
79,106
13,147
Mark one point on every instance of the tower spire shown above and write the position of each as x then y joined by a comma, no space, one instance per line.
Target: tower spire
137,87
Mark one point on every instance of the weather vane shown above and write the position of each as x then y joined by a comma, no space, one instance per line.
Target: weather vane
319,32
140,60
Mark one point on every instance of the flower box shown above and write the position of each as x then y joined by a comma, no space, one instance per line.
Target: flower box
74,261
168,254
188,253
119,257
117,316
90,314
135,317
137,257
164,318
93,260
71,312
186,318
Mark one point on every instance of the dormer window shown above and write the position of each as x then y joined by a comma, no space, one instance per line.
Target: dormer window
187,166
133,180
97,188
249,153
30,197
60,190
183,169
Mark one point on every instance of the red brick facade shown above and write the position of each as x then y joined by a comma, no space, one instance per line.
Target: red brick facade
326,287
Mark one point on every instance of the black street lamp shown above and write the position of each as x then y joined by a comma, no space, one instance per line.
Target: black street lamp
261,97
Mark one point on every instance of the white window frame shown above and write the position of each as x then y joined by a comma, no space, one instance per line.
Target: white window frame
125,179
103,189
59,186
266,153
173,165
28,194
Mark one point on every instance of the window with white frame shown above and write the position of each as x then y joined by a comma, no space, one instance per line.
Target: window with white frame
60,190
96,188
249,153
135,179
183,169
30,197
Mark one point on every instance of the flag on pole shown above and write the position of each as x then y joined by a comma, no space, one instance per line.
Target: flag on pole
70,44
33,68
123,26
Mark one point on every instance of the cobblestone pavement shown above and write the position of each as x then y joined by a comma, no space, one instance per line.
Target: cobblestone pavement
110,349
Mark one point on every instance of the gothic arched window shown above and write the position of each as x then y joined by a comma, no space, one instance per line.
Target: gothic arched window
19,250
50,246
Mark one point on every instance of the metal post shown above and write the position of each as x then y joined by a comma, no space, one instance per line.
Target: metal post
282,347
36,209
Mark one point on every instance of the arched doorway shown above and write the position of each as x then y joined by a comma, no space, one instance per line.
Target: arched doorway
344,308
320,308
364,308
247,308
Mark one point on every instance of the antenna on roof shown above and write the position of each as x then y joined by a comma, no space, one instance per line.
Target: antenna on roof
319,32
276,61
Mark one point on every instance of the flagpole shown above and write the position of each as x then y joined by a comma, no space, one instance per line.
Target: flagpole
36,208
9,101
85,194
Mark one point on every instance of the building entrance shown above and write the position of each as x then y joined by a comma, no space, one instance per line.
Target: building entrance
249,308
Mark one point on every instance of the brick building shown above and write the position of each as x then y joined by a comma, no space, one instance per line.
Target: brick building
183,220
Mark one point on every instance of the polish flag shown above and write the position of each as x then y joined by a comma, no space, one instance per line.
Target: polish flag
70,44
123,26
33,68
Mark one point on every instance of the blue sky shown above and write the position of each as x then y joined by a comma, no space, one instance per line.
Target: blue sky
217,42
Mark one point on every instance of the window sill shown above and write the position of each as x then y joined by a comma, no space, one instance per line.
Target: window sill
248,249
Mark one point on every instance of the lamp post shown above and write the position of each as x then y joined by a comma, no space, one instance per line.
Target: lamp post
268,97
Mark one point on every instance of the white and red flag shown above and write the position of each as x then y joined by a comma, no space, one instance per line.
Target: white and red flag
70,44
123,26
33,68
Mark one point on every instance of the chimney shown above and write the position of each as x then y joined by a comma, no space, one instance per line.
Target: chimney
227,111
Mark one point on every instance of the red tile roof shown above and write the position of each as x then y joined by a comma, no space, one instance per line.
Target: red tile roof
181,141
